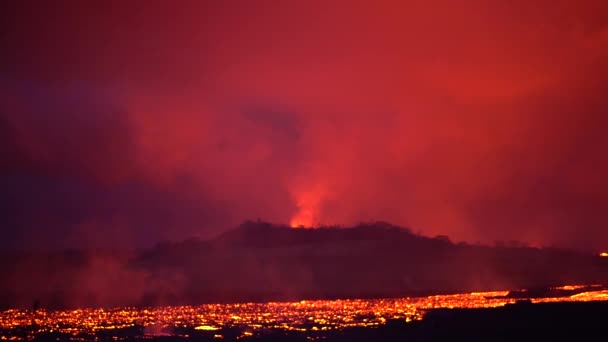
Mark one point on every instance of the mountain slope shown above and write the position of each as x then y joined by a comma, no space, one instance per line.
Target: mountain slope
259,261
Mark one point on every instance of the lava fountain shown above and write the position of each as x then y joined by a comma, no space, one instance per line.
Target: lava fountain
309,208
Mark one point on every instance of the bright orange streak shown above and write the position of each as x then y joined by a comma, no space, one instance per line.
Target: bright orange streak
259,317
604,254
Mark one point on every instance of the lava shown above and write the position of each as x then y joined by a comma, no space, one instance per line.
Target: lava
252,318
309,208
303,219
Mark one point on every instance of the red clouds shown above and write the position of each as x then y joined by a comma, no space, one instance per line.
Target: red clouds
477,120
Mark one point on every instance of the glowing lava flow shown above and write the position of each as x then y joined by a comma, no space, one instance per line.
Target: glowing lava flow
249,319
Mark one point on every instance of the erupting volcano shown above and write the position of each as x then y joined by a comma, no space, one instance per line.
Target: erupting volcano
136,135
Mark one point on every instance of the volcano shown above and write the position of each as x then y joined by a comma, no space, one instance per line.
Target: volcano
260,261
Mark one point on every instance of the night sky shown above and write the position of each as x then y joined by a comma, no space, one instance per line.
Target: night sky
125,123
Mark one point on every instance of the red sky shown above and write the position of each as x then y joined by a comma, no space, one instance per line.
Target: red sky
152,120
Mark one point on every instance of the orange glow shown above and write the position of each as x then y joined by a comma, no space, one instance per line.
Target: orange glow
205,327
309,203
258,317
303,218
604,254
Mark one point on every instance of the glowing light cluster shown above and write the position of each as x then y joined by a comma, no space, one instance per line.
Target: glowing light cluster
250,318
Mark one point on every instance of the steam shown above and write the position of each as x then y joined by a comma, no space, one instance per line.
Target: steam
483,122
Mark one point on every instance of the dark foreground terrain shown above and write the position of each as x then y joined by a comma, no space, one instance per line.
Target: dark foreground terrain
521,321
261,262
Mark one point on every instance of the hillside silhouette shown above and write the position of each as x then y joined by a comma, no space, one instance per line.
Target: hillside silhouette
259,261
